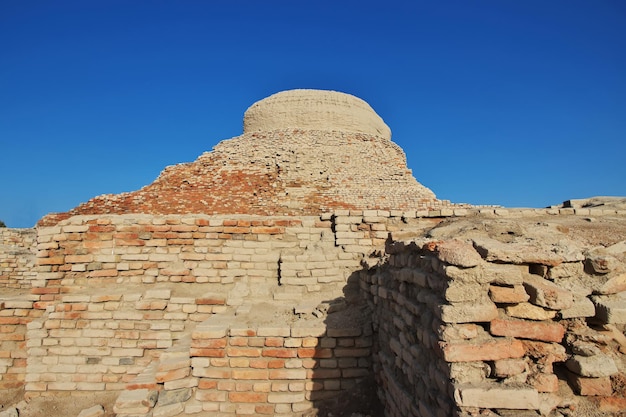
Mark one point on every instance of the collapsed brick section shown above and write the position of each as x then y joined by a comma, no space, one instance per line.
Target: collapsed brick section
292,172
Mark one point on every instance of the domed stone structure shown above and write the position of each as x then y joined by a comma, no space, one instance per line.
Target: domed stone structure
314,110
303,152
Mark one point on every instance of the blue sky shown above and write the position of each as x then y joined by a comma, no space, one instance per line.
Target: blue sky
517,103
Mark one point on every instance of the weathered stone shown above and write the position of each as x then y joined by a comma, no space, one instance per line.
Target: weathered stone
459,291
544,382
565,270
526,253
141,399
95,411
504,274
611,308
546,294
583,348
459,253
9,412
582,307
595,366
476,312
497,396
169,410
508,295
529,311
508,367
174,396
611,284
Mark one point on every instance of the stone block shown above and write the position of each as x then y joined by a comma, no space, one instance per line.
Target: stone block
497,396
508,367
530,311
594,366
95,411
476,312
581,307
544,293
611,309
458,253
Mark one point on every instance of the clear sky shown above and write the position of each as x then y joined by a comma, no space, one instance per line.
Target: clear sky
517,103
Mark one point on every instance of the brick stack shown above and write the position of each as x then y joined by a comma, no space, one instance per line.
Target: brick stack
461,332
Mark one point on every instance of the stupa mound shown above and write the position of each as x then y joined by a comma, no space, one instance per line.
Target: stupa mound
314,110
303,152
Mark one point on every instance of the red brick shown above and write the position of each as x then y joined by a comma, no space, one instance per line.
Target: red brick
264,409
259,363
244,351
487,351
209,343
612,404
591,386
212,353
535,330
276,363
268,230
274,341
210,301
280,353
315,353
545,382
247,397
249,374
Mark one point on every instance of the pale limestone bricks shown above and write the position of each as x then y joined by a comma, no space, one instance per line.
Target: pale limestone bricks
17,257
302,152
314,110
137,302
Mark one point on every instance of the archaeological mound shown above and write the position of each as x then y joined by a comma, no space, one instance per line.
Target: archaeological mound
302,152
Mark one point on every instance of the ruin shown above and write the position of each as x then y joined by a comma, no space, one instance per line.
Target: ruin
300,269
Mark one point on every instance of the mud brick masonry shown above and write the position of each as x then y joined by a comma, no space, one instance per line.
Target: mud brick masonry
301,262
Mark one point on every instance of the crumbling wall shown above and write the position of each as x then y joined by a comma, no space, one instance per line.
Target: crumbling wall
483,326
17,257
459,326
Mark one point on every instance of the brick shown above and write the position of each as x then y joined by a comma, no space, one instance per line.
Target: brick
545,293
243,351
288,374
289,398
274,341
247,397
496,396
280,353
249,374
544,382
488,351
543,331
590,386
510,295
315,353
206,352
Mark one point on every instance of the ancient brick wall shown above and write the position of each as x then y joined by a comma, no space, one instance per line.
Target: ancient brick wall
17,257
462,328
174,309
